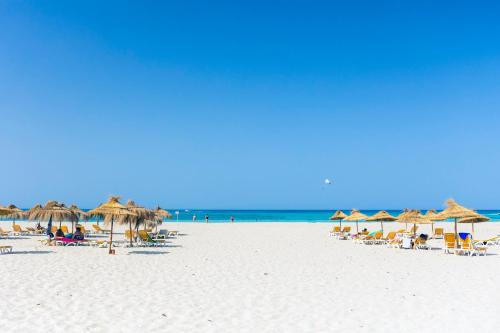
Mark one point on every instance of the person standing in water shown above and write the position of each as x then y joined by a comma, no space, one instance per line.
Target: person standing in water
194,218
231,219
206,218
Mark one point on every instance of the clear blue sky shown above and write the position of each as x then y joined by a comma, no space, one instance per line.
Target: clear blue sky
231,105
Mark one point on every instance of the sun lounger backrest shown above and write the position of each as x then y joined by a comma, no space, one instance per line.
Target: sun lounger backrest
347,229
16,228
64,229
438,231
449,240
391,235
336,229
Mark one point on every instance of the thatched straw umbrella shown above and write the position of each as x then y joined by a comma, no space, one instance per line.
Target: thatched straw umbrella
339,216
432,215
473,220
357,216
160,215
52,210
414,217
15,213
110,211
4,211
382,216
402,215
140,216
33,209
455,211
79,214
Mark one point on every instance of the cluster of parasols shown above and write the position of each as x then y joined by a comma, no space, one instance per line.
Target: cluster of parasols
110,212
453,211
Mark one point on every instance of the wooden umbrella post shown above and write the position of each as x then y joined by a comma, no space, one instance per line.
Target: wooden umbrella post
456,233
130,230
111,251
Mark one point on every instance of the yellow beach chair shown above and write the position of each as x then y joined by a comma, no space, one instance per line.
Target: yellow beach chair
98,229
449,242
438,233
335,231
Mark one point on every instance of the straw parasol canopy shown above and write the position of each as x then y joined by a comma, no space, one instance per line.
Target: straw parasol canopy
79,214
338,216
110,211
414,217
382,216
403,215
162,212
455,211
52,210
15,213
141,215
473,220
432,215
4,211
356,216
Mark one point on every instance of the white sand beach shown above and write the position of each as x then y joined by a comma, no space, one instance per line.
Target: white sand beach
249,277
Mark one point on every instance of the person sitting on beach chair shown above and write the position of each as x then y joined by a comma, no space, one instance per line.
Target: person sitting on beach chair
78,234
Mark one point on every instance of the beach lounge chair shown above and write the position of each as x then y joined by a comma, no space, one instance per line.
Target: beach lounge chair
5,249
173,233
3,233
438,233
420,244
335,231
17,230
64,241
390,237
98,229
162,234
488,242
53,229
449,242
146,240
376,238
65,229
466,247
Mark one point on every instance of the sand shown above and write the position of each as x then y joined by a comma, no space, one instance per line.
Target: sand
248,277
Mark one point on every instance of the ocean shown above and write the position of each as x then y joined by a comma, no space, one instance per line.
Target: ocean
220,216
313,216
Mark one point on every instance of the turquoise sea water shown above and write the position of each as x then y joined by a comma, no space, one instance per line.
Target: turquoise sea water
221,216
280,215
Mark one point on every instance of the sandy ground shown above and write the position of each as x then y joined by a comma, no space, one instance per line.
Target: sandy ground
249,277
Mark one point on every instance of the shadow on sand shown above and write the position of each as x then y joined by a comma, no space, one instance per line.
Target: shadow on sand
148,252
30,252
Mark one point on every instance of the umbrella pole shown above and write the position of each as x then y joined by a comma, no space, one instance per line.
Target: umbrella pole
49,225
456,233
111,236
472,229
382,226
131,234
340,224
357,229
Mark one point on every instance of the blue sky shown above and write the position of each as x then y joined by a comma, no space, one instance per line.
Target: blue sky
231,105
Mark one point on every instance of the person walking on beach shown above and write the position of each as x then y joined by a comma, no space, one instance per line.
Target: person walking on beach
206,218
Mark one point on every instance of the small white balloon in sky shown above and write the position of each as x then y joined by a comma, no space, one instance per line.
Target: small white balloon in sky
327,181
